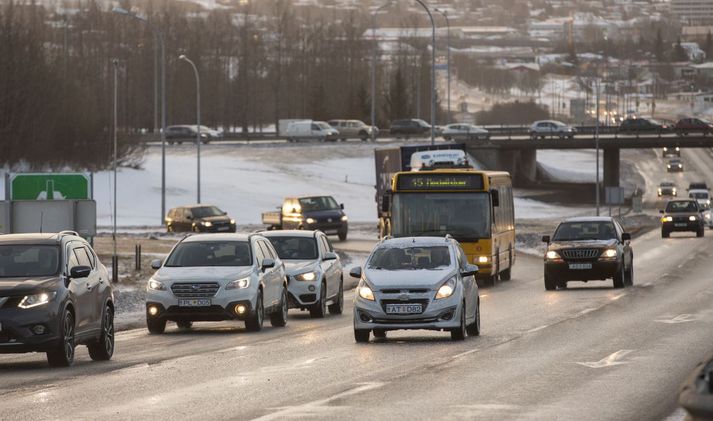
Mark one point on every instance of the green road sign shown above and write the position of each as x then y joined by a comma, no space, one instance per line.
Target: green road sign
49,186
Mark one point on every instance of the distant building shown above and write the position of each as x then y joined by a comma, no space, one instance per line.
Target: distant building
691,11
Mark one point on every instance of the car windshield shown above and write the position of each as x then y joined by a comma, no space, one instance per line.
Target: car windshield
682,206
319,203
585,230
210,253
295,248
465,216
698,195
664,184
28,261
407,258
324,125
206,211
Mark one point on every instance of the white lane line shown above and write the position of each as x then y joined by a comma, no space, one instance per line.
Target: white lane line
678,415
681,318
608,361
463,354
616,297
585,311
537,328
313,407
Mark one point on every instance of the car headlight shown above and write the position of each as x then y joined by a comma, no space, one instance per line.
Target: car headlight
309,276
692,218
668,166
708,216
155,285
35,300
667,219
677,149
660,191
609,253
310,220
447,289
552,255
365,292
241,283
483,259
665,149
345,218
232,222
207,224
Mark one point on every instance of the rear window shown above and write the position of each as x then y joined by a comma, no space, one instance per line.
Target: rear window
28,261
210,253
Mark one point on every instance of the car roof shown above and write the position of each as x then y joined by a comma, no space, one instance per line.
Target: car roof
682,200
202,205
34,238
590,219
415,241
289,233
698,191
194,238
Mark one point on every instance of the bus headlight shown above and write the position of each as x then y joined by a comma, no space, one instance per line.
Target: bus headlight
483,259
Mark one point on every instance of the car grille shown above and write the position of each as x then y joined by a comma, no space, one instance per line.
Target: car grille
581,253
404,291
195,289
680,219
424,303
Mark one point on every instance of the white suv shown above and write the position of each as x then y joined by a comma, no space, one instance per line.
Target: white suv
212,277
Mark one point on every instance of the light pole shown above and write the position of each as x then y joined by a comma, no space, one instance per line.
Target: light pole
114,257
158,35
373,70
596,143
198,121
448,55
433,71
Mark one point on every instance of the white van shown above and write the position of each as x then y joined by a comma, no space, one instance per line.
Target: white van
308,129
447,158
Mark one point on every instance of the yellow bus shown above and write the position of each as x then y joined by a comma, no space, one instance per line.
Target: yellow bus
474,207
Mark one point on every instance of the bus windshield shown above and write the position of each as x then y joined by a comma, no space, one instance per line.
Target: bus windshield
465,216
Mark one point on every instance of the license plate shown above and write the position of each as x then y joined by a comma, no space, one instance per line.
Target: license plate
404,309
680,225
225,228
194,303
580,266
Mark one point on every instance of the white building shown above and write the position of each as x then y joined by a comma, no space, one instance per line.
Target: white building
693,10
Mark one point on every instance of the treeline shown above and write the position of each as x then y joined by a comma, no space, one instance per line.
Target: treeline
512,113
255,67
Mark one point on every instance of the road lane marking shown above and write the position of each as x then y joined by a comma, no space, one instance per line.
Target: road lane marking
616,297
585,311
463,354
681,318
533,330
609,361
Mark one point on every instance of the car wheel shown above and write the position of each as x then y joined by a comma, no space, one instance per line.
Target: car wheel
169,228
630,275
619,278
474,328
506,275
701,232
254,322
379,333
550,284
184,324
103,348
279,318
63,354
156,326
665,234
458,334
338,306
361,335
319,309
342,235
562,284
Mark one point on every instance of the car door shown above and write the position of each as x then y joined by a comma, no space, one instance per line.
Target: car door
259,256
625,245
270,277
93,281
468,281
326,265
187,220
78,290
335,267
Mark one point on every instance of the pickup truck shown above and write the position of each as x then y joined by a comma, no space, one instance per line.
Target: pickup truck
321,213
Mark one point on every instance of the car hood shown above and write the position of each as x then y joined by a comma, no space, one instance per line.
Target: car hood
202,273
419,278
294,267
559,245
13,287
331,213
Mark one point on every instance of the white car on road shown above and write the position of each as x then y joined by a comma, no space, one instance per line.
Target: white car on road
703,197
462,131
551,128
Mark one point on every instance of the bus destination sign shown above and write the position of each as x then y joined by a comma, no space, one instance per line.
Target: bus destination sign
438,181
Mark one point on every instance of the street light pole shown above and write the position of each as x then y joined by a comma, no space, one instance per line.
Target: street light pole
433,71
596,143
158,35
448,55
114,256
373,70
198,122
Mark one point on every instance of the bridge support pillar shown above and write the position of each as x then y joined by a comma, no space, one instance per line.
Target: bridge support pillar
521,164
611,167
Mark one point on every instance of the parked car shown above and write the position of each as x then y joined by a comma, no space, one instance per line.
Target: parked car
55,294
703,197
462,131
311,130
688,125
667,188
588,249
213,277
409,127
671,151
674,165
320,213
639,125
199,218
313,269
682,215
354,129
187,133
416,283
551,128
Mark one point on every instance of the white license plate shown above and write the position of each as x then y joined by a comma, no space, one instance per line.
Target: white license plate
680,225
404,309
225,228
580,266
194,303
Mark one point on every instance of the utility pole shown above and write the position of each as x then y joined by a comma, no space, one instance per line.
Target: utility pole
114,256
198,122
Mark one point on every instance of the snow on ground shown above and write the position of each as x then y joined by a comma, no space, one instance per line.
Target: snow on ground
576,166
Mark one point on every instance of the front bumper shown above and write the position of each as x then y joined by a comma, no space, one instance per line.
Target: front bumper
601,270
302,294
681,226
222,306
16,335
216,228
438,314
334,227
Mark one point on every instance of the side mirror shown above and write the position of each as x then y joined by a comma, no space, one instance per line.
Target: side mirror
546,239
156,264
330,256
385,202
470,270
267,264
625,236
495,197
355,272
224,213
79,272
661,211
341,206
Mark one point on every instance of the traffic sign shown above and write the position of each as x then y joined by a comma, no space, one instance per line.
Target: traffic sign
49,186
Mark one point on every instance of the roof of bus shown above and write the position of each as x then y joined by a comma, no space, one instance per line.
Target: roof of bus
462,170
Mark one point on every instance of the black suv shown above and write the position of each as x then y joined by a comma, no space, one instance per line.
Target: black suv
682,215
409,127
199,218
588,249
643,125
54,295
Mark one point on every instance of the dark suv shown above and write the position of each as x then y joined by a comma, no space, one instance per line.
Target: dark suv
682,215
199,218
54,295
588,249
409,127
643,125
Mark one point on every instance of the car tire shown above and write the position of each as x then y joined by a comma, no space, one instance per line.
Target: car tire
103,348
379,333
361,335
255,320
319,309
337,307
169,228
459,333
156,326
342,235
279,318
562,284
473,329
184,324
701,232
506,275
665,234
620,279
629,281
63,354
550,284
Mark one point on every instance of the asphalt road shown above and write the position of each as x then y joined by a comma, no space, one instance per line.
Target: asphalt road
589,352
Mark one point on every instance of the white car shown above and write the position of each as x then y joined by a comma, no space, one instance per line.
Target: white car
707,217
551,128
311,130
703,197
461,131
